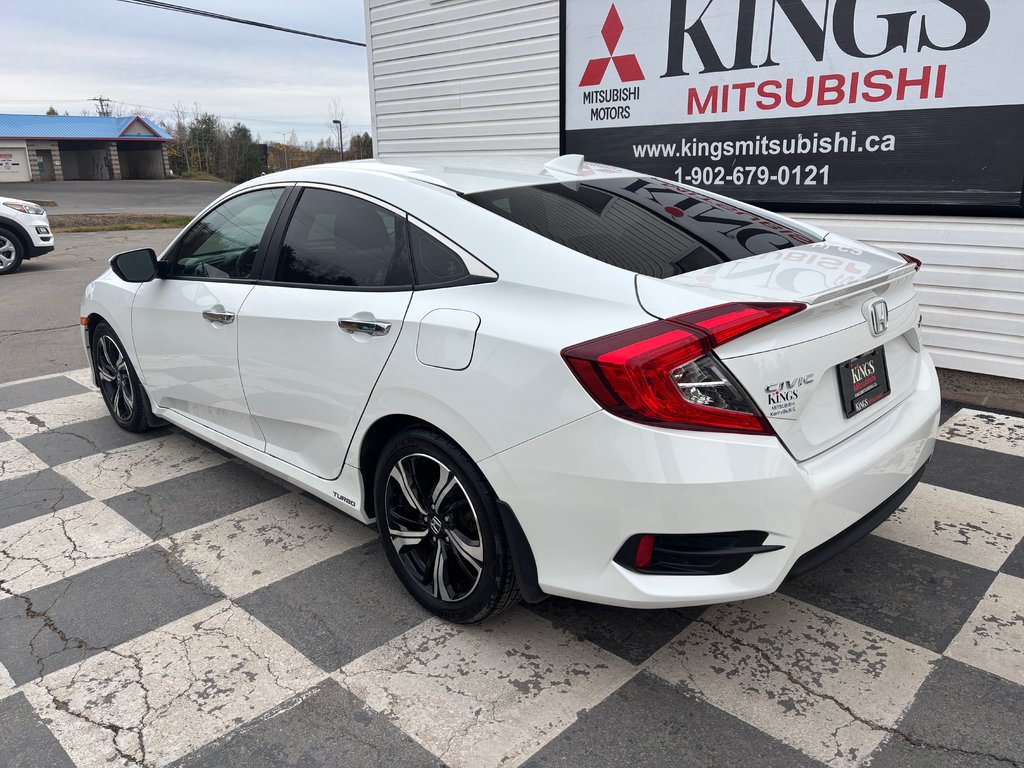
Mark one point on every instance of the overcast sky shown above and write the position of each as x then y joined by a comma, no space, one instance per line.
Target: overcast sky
62,52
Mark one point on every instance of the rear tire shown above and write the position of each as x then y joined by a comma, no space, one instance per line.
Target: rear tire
122,391
12,252
440,528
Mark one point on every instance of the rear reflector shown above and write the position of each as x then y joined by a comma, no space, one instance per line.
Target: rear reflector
644,551
663,373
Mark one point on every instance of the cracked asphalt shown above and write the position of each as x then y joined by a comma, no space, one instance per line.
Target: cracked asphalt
162,603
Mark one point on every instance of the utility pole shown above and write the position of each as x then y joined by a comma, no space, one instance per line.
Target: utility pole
103,105
284,143
341,147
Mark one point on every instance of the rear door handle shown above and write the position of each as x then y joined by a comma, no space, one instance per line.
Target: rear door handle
351,325
217,314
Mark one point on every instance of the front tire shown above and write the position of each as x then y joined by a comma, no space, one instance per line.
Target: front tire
11,252
440,528
122,391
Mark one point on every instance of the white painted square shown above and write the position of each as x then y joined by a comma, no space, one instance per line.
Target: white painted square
71,540
797,673
106,475
982,429
52,414
485,695
267,542
172,690
16,460
967,528
82,376
993,638
6,682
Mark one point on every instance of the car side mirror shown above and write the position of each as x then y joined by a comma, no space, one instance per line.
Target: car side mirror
139,266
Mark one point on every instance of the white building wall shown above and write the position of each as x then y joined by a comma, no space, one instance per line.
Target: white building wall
463,76
481,77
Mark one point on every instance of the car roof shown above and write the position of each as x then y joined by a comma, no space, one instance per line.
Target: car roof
465,174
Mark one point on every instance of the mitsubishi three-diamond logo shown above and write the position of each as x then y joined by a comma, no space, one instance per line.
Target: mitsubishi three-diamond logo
626,65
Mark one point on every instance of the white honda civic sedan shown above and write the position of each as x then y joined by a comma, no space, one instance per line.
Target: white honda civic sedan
563,379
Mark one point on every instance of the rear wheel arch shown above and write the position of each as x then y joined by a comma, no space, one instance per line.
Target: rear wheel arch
373,442
376,438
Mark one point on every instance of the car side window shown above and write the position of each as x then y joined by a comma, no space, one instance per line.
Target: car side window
334,239
435,263
224,243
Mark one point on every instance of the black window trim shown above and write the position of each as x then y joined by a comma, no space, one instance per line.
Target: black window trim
274,246
477,271
170,255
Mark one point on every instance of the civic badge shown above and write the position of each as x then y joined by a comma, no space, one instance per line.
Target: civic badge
878,316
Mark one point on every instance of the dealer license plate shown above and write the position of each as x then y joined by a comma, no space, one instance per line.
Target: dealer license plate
863,381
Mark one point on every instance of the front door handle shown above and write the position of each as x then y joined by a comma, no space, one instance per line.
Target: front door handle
351,325
217,314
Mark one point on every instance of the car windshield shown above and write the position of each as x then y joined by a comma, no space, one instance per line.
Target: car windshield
646,225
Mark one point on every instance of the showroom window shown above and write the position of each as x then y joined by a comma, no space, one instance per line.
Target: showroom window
224,243
340,240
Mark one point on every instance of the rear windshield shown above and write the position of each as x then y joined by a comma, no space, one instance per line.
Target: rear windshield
646,225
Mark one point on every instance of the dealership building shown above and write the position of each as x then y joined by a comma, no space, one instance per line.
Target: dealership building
81,148
904,129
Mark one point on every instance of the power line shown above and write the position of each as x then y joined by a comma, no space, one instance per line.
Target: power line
222,17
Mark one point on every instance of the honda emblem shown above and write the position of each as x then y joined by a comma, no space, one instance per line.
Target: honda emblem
879,317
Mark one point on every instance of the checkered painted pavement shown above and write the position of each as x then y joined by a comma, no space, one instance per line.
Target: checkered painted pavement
162,603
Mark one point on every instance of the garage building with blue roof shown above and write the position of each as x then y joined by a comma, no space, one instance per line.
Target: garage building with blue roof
81,147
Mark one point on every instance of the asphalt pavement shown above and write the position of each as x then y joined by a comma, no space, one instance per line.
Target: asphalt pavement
162,603
177,196
39,331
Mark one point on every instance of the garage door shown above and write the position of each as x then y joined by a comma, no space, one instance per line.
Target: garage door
14,164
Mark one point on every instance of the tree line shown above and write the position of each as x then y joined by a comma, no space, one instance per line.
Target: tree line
203,144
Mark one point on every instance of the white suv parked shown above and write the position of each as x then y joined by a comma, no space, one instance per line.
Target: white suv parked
24,233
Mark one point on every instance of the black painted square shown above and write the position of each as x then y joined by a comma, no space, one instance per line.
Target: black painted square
199,497
1014,564
339,609
30,392
634,635
961,716
25,741
85,438
327,727
648,722
904,591
62,623
979,472
23,498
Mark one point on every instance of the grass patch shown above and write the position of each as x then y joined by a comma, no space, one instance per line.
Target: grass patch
115,222
196,176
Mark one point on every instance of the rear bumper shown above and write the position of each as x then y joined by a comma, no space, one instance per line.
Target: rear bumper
579,492
825,551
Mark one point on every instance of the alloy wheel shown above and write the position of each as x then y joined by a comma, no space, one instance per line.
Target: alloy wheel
434,527
8,253
115,378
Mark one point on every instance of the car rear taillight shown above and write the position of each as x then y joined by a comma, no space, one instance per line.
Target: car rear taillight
911,260
663,373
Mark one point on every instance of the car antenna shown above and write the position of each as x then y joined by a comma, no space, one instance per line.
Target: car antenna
570,164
